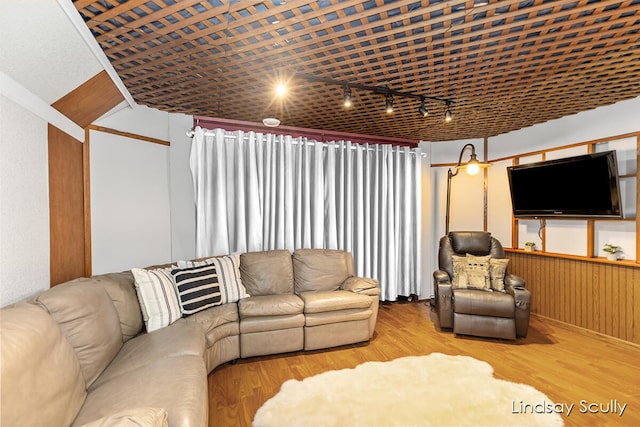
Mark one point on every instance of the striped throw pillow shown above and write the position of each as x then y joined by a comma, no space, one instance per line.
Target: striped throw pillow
157,297
228,269
197,288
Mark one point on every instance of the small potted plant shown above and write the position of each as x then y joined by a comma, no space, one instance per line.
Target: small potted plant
529,246
612,251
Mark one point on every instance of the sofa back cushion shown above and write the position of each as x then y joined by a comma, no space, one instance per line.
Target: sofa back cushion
122,290
318,270
88,318
41,378
267,273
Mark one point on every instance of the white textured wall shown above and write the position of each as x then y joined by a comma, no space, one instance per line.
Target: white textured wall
183,207
130,202
24,203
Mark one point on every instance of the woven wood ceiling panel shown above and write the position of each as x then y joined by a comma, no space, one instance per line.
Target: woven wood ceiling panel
504,64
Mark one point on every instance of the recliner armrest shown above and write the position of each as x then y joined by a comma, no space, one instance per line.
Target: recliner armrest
441,277
514,281
515,286
359,284
443,298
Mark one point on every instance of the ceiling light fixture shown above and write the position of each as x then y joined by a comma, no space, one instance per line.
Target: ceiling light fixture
347,97
281,89
387,92
448,116
423,109
271,122
389,104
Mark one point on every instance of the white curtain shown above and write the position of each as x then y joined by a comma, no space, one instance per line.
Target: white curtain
258,192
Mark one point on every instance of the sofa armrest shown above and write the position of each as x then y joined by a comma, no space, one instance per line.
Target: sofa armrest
443,296
359,284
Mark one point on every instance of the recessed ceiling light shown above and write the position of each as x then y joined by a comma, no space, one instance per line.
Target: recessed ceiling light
270,122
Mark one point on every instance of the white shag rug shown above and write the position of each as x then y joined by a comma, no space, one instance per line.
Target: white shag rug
433,390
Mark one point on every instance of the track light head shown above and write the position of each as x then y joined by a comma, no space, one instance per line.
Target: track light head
422,109
347,97
448,116
389,104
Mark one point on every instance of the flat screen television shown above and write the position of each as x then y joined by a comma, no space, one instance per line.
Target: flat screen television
580,187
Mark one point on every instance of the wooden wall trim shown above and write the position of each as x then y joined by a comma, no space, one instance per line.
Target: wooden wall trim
599,260
90,100
128,135
86,168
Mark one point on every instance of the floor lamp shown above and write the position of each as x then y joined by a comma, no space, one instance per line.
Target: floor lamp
472,167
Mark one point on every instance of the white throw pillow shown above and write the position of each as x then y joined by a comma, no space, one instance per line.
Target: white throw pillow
157,296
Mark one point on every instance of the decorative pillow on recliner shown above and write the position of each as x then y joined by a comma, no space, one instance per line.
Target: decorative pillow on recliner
459,280
497,270
477,269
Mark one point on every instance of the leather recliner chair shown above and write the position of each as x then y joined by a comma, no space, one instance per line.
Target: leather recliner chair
478,312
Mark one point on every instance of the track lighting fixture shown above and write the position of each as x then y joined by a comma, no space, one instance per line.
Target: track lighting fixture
389,104
383,90
422,109
347,97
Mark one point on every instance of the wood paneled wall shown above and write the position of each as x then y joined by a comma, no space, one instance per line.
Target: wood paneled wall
595,295
69,216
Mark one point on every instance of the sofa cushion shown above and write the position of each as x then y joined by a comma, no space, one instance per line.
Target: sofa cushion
177,384
137,417
271,323
337,316
215,316
157,296
122,290
228,268
494,304
318,302
40,376
267,273
90,322
321,269
270,305
197,288
179,339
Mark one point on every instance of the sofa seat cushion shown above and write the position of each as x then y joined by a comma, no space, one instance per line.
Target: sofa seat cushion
267,273
318,302
271,323
270,305
136,417
179,339
85,313
321,269
41,378
214,318
483,303
177,384
325,318
221,332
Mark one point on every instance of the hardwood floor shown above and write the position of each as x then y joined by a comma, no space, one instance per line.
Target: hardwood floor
568,364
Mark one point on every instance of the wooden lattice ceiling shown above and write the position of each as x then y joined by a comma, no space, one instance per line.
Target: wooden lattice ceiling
505,64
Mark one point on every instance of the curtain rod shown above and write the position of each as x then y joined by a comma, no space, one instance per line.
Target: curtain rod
191,133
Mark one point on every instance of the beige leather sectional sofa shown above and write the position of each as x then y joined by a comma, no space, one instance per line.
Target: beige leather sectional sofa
78,354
